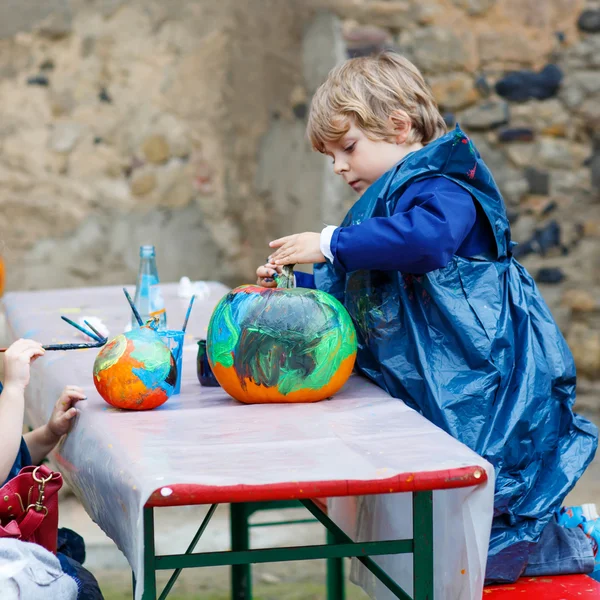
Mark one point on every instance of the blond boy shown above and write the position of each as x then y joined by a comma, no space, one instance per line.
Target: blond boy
447,319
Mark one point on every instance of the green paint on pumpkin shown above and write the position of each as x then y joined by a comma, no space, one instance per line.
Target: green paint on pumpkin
113,352
291,339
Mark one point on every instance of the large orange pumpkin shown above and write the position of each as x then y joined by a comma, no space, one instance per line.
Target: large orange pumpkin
280,345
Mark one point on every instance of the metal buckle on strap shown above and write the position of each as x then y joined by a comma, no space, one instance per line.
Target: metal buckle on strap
38,506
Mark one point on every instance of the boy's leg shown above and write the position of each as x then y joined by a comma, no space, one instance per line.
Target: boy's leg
560,551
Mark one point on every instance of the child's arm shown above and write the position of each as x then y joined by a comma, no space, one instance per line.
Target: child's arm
418,240
42,440
17,360
423,235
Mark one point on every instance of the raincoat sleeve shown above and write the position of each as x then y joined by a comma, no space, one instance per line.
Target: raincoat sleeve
431,221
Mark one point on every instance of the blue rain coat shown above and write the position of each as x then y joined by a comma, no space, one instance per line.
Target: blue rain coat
474,348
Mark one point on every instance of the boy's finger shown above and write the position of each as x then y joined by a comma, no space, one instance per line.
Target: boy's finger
280,241
284,256
267,282
265,271
286,248
272,266
277,255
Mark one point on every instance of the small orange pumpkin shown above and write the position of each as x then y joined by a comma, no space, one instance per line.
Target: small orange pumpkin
135,370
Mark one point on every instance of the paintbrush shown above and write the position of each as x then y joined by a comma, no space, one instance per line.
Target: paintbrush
100,337
69,346
100,340
133,308
187,314
185,322
93,334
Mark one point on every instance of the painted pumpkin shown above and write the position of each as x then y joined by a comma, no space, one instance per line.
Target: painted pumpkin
135,370
280,345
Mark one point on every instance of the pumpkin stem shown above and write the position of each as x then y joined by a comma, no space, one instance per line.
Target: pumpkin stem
286,279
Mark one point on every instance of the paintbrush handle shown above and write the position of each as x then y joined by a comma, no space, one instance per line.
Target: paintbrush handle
100,337
67,346
133,308
187,314
82,329
73,346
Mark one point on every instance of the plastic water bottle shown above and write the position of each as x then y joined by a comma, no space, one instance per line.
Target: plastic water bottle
148,297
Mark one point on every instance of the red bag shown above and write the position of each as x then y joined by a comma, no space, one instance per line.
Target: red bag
29,506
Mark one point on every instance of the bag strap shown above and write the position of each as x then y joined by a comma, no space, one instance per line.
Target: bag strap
10,530
26,528
32,520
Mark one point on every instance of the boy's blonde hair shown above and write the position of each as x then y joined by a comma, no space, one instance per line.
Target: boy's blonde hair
368,90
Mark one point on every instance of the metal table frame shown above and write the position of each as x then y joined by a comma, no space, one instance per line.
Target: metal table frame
339,545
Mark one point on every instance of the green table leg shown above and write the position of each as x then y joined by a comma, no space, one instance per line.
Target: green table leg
339,545
241,575
366,560
149,556
335,574
423,545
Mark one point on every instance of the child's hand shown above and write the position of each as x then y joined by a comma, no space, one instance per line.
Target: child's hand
17,361
266,275
64,411
300,248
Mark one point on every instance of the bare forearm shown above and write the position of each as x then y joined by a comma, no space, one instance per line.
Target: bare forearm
40,442
11,424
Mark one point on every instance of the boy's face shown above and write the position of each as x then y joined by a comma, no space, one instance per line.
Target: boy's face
361,161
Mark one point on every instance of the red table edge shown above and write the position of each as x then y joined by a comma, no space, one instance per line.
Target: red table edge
182,494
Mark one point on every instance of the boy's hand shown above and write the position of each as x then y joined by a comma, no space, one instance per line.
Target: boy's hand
266,275
64,411
300,248
17,361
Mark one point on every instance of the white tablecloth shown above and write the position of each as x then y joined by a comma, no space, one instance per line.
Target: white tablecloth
115,460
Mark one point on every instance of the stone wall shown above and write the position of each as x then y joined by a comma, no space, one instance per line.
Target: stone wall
522,77
130,122
182,123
